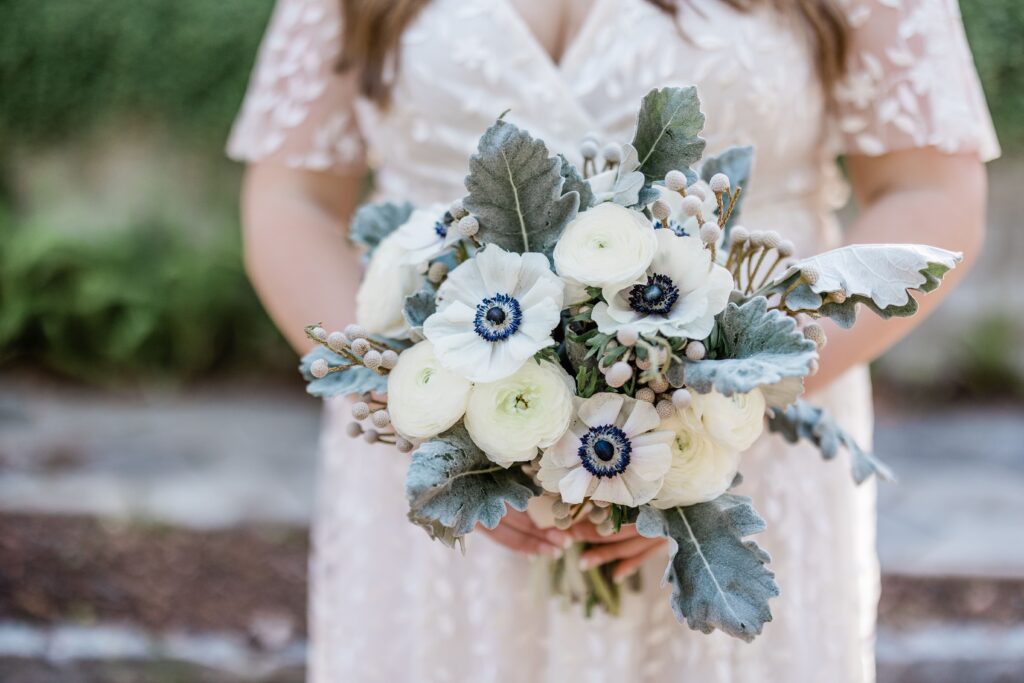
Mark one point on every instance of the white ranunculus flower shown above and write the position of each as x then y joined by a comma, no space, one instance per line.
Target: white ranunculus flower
494,312
734,421
424,234
679,295
614,452
424,399
702,468
390,277
605,245
511,418
679,223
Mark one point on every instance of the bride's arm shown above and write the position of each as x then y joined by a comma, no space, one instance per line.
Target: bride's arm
917,196
296,254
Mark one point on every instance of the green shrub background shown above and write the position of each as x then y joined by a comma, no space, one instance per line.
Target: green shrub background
152,296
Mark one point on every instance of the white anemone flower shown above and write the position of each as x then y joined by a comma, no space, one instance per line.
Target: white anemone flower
604,246
494,312
391,276
680,223
734,421
424,235
613,452
702,468
424,399
511,418
679,295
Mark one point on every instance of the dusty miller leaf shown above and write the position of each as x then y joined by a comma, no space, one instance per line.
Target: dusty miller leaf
373,222
452,486
880,276
805,421
755,347
718,579
356,379
737,163
574,182
668,132
418,307
515,191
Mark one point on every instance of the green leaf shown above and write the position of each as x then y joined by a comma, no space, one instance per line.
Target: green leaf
805,421
737,163
667,132
756,347
418,307
373,222
718,579
880,276
452,486
572,181
515,191
354,380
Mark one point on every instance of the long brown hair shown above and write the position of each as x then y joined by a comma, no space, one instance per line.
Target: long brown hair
372,29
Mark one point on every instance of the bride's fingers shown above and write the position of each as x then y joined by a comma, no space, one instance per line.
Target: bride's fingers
628,566
610,552
587,532
516,540
524,523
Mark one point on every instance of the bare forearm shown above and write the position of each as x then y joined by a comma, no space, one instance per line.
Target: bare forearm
297,257
939,215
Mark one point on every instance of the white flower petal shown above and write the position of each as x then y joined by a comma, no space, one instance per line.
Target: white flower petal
613,490
600,409
574,486
642,491
651,461
642,418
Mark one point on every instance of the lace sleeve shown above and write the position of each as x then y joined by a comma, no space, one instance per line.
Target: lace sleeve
298,110
911,81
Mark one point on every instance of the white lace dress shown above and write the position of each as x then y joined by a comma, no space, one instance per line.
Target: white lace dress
388,604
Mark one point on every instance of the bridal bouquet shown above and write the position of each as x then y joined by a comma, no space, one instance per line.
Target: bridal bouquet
606,341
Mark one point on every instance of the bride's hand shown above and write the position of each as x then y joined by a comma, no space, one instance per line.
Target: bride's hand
518,532
627,548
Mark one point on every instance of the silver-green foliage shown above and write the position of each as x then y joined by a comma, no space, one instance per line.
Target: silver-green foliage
572,181
805,421
668,132
736,163
373,222
451,486
718,579
515,191
355,379
418,307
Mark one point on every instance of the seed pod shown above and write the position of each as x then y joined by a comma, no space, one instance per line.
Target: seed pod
697,191
388,359
691,205
437,272
643,363
661,210
681,399
606,528
360,410
695,350
371,436
380,419
372,359
588,149
739,235
360,346
337,341
612,153
468,226
659,384
561,509
665,409
403,445
319,368
810,274
319,333
563,523
757,239
354,331
626,336
719,183
457,210
675,180
599,515
710,233
645,394
786,248
816,333
353,429
772,239
618,374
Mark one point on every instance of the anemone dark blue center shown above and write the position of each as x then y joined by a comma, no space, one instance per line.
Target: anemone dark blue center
441,229
655,297
497,318
605,451
673,225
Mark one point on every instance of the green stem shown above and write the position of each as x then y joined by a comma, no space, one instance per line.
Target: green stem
604,591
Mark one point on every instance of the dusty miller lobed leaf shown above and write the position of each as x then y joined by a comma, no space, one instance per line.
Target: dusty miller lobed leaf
373,222
737,163
805,421
880,276
418,307
718,579
755,347
574,182
451,486
515,191
668,132
355,380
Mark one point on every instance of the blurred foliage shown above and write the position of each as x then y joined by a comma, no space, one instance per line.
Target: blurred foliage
986,362
145,302
67,65
994,30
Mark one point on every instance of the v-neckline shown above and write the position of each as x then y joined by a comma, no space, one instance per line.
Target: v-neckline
566,58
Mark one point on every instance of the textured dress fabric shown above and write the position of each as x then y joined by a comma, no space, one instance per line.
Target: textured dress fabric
390,605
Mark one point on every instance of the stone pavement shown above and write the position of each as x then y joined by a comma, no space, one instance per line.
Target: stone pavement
951,533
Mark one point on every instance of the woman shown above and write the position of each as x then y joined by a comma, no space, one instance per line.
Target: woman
888,84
